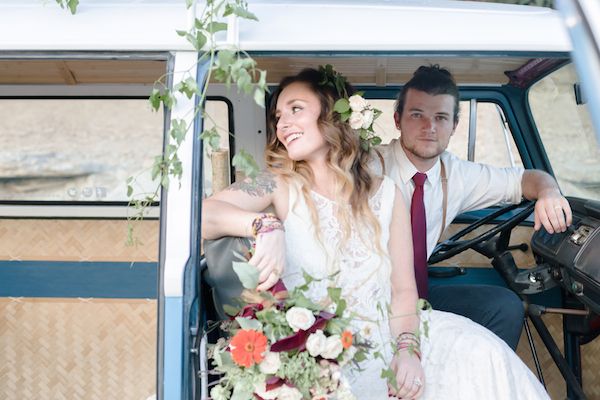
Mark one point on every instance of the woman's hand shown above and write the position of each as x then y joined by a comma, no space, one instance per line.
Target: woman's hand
269,258
410,377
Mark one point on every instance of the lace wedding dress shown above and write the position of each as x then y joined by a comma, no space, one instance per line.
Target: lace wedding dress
462,360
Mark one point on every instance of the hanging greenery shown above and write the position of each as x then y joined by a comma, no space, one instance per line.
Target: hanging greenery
227,64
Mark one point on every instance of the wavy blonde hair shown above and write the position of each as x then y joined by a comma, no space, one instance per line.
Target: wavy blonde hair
355,182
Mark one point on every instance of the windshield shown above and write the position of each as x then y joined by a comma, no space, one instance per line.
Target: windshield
567,133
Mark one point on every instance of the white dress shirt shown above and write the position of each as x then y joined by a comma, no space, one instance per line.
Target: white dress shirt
471,186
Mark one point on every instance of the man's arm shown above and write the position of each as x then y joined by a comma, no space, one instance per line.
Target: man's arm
552,210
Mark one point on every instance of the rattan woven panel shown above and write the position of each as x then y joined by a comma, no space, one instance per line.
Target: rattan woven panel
554,381
77,349
76,240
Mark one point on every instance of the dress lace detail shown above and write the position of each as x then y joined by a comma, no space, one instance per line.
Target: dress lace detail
462,360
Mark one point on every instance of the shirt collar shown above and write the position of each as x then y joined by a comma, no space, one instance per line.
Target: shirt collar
407,169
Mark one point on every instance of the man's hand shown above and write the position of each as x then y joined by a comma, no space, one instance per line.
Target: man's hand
552,211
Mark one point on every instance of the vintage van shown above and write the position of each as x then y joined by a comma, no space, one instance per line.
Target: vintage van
84,316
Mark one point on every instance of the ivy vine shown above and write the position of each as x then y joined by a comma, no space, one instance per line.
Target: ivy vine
227,64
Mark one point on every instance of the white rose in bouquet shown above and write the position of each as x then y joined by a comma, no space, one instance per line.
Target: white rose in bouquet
357,103
356,120
270,364
299,318
315,344
289,393
333,347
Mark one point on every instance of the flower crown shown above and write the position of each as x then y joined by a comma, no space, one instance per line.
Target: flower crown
352,109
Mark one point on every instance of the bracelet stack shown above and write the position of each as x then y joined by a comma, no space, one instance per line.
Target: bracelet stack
408,341
266,223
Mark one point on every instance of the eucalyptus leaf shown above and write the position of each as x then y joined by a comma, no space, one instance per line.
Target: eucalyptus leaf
215,26
225,57
246,164
247,273
239,11
230,310
241,391
249,323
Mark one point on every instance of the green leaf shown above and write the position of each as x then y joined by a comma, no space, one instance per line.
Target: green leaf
341,106
341,307
247,273
211,139
246,164
181,33
199,41
225,57
249,323
215,26
73,5
189,3
390,376
178,132
242,391
375,141
129,191
334,293
230,310
239,11
259,97
155,99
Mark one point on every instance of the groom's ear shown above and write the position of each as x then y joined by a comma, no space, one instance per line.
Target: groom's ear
397,119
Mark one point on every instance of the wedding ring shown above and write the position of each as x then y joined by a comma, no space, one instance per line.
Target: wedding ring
417,382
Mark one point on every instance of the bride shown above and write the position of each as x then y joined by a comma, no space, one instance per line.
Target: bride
333,217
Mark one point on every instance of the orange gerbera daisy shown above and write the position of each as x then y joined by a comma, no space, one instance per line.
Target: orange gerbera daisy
346,339
247,347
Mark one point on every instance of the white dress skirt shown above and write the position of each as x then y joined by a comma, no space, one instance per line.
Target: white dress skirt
462,360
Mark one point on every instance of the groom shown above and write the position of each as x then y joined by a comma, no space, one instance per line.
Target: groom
426,114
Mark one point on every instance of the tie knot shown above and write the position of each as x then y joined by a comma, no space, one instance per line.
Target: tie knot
419,178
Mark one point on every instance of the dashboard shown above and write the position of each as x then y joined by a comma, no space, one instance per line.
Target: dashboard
574,256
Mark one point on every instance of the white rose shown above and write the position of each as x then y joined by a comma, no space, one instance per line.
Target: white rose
356,120
270,364
357,103
299,318
368,116
289,393
333,347
315,344
261,390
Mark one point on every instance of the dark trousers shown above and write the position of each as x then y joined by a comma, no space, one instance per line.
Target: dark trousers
497,308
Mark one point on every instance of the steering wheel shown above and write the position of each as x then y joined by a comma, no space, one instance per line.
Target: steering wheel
454,245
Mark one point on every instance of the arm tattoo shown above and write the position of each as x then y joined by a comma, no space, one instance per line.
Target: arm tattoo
263,184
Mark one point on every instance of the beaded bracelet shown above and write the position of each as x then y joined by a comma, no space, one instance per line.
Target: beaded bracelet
266,223
410,342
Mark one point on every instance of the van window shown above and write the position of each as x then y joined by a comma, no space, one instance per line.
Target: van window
567,133
79,150
494,143
217,165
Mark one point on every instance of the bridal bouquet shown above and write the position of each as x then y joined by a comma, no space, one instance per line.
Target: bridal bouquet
281,345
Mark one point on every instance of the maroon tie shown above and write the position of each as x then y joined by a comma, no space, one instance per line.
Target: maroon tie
419,233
